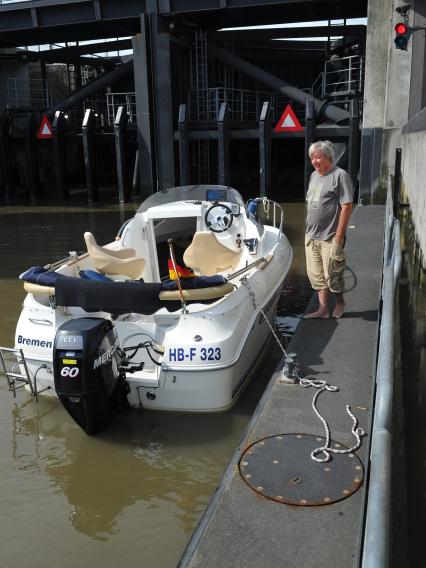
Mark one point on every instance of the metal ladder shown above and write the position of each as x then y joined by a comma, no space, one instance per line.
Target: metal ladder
202,155
17,380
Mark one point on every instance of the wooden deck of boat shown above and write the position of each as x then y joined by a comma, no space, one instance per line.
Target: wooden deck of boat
241,528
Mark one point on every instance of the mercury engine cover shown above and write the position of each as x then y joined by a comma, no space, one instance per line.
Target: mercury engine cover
86,370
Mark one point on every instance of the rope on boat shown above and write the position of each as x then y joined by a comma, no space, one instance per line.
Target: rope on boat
322,386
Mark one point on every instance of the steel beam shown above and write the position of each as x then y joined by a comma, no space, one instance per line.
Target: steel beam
183,137
120,124
223,145
58,127
88,134
262,34
265,150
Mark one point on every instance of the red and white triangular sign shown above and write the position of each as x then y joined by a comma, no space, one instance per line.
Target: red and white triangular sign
45,130
288,121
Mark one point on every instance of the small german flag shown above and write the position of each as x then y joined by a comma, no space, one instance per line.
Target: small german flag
182,272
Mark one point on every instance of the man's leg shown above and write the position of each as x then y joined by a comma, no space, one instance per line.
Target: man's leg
322,311
315,270
340,306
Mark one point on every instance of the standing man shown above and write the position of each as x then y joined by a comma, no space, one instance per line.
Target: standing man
329,206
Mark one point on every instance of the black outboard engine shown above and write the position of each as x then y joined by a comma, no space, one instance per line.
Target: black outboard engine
86,365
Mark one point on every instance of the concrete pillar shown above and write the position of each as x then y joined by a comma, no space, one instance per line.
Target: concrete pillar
386,98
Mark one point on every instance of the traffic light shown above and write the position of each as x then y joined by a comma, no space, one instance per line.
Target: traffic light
403,33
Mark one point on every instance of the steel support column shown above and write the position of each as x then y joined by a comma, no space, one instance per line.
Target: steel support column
30,141
120,124
309,138
183,137
144,119
5,155
265,150
163,104
223,145
58,127
88,134
354,135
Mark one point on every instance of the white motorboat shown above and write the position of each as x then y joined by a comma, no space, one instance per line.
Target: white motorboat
111,324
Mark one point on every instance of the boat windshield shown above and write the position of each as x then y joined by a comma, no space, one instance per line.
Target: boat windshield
192,193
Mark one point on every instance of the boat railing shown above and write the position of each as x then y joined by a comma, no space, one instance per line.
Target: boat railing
276,210
377,530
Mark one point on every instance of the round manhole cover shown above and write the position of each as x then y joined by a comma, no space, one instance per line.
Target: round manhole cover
281,468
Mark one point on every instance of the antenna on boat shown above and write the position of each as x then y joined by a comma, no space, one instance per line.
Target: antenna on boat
172,256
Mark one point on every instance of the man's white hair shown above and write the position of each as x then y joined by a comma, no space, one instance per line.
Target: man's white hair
325,147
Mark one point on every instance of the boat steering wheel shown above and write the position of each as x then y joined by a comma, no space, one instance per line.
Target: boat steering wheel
219,218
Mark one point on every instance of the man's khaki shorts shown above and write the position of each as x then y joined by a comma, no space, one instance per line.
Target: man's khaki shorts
325,263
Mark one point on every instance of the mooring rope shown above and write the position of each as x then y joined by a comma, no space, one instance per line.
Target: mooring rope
322,386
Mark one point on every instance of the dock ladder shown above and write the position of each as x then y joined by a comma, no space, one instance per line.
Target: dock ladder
13,360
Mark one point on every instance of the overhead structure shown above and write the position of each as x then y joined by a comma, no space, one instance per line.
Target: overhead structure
322,108
197,93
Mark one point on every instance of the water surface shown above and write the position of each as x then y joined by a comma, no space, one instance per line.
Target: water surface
134,493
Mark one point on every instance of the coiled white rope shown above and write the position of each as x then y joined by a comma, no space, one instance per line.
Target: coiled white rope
325,449
322,386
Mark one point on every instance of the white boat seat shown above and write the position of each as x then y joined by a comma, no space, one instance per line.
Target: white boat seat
195,294
206,256
107,261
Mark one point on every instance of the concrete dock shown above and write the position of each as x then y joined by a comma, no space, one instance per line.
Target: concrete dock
243,528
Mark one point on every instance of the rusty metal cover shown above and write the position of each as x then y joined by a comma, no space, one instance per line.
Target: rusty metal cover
281,468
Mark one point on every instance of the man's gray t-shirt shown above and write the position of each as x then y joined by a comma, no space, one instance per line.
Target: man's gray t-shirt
325,196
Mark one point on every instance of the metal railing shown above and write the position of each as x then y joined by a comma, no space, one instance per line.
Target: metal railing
115,100
377,532
28,93
244,105
343,78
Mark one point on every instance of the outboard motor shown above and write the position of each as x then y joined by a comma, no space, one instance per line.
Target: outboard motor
86,369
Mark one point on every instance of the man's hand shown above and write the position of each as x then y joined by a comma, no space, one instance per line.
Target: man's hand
345,213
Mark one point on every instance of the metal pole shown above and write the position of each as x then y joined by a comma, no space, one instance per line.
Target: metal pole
89,155
173,258
223,144
58,128
120,123
265,149
354,138
33,176
183,144
309,138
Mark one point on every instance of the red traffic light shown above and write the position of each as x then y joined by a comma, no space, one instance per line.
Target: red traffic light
401,28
